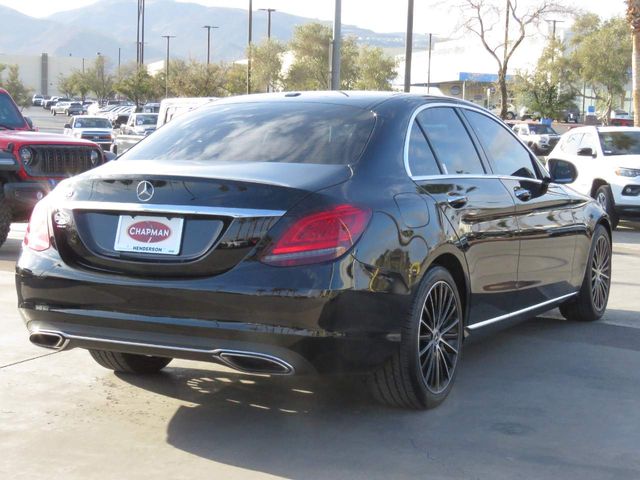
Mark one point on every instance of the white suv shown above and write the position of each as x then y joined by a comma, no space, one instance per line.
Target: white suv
605,162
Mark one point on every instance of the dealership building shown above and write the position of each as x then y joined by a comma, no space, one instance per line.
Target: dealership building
41,72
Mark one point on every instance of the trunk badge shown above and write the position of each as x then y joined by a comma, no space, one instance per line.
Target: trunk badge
145,191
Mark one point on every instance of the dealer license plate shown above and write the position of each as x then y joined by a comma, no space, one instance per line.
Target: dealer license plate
150,235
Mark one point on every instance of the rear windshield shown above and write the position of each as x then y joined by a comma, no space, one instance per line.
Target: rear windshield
262,132
620,143
10,116
92,123
542,130
148,119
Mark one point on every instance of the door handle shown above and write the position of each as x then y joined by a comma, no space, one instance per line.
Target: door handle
522,193
456,200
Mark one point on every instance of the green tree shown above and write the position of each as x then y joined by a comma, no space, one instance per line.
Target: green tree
376,70
266,65
67,85
193,79
21,94
136,84
99,80
235,82
549,89
602,57
81,83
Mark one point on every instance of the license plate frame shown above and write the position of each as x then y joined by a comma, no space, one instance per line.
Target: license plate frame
149,235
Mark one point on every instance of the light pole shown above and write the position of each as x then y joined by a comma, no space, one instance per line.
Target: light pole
209,27
166,66
429,65
408,48
140,33
249,47
335,50
119,60
269,12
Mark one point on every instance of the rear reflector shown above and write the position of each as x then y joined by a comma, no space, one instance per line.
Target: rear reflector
37,235
318,237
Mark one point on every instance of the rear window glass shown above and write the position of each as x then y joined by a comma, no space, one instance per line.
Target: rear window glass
9,115
620,143
542,129
262,132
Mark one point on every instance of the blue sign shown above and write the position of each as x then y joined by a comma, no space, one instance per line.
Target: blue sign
480,77
591,109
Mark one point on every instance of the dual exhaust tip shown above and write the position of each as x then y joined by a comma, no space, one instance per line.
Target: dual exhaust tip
249,362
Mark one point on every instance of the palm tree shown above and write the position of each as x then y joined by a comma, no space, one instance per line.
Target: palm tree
633,16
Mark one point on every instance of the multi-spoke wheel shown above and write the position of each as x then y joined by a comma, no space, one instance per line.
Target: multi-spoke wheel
591,301
421,374
439,334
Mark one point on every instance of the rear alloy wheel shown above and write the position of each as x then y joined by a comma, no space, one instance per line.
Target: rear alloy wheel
5,218
605,198
129,362
591,302
422,373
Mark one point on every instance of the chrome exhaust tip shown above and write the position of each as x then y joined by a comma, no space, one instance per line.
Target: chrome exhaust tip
50,340
251,362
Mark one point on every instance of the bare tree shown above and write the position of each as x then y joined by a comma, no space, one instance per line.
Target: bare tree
633,17
483,17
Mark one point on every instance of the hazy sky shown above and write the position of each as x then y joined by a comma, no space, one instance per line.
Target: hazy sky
378,15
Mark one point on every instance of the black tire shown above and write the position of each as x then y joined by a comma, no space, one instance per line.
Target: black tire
605,198
129,362
428,349
510,116
53,112
591,301
5,217
114,149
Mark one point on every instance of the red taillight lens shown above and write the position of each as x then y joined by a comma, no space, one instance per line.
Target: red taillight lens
319,237
37,236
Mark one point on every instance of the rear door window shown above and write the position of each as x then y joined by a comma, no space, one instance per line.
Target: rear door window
450,140
508,156
421,159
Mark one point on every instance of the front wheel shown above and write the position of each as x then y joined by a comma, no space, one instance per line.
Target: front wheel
129,362
421,374
605,198
591,302
53,112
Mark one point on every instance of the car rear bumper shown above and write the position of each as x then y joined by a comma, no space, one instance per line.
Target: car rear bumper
320,324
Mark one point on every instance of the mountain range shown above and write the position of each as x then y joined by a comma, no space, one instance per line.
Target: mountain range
109,25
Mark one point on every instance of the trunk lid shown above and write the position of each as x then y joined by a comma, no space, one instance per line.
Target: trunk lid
185,219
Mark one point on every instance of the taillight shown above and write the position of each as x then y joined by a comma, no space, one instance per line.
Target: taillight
37,236
318,237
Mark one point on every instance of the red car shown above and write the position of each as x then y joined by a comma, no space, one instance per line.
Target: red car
32,163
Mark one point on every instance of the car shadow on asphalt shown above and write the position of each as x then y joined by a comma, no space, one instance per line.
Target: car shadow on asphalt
329,427
9,254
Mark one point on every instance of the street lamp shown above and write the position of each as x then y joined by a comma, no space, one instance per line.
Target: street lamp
166,66
209,27
140,33
429,64
335,50
408,48
269,12
249,47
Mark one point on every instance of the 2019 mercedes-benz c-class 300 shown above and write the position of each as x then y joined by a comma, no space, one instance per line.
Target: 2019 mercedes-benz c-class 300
312,232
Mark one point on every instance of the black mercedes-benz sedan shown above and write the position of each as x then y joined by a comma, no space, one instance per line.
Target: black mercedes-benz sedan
312,232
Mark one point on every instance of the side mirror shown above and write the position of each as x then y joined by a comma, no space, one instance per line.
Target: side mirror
561,171
67,125
586,152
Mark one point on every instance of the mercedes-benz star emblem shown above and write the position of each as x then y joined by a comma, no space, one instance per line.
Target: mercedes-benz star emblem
144,191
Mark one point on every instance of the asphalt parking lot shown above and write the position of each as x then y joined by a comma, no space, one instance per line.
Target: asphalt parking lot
543,399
